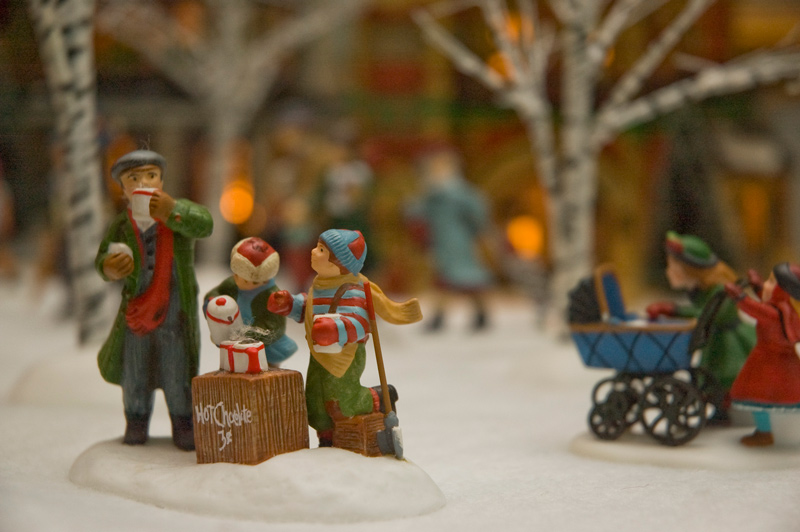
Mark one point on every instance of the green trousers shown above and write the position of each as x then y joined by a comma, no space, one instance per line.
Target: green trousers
322,387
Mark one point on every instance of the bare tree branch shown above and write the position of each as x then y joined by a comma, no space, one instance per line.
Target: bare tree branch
633,80
462,57
496,16
300,31
692,63
537,40
528,12
729,78
564,10
148,29
623,14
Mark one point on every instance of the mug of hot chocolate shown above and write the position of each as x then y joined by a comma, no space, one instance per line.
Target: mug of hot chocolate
140,205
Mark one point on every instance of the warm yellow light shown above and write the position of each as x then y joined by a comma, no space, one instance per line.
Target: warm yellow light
236,203
526,235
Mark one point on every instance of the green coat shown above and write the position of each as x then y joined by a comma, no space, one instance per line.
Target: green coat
187,221
730,339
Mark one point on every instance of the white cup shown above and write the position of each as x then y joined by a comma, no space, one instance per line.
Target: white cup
140,204
334,347
223,318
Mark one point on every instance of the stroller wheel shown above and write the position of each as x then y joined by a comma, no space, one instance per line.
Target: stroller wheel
614,401
673,411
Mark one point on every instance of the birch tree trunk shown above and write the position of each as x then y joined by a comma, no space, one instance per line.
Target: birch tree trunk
64,30
573,197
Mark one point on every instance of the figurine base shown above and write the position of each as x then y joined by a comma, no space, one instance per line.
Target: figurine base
308,486
248,418
359,434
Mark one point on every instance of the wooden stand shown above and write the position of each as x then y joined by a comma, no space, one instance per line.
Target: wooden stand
248,418
359,433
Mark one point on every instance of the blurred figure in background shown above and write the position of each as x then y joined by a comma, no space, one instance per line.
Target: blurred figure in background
454,217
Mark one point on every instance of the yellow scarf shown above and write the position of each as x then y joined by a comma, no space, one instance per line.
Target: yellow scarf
393,312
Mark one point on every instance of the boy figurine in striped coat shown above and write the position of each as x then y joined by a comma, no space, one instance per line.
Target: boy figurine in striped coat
337,328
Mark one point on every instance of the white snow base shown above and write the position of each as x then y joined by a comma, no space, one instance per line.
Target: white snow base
312,485
713,449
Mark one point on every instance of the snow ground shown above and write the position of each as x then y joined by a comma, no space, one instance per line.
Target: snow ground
491,418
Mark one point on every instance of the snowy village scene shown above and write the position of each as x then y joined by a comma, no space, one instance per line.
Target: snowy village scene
429,265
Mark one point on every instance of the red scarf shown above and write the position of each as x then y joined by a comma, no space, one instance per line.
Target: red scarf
147,310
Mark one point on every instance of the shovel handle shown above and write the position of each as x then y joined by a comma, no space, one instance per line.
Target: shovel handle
387,404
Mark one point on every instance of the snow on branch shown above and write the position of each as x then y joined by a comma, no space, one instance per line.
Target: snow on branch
462,57
528,11
623,14
496,15
567,10
633,80
729,78
302,29
537,41
72,13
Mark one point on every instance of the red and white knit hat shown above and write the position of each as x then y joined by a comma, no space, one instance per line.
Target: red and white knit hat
254,260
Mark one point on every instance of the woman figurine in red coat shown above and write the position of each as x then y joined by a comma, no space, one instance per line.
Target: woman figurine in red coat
770,378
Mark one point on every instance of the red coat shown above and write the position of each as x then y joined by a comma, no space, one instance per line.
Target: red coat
771,374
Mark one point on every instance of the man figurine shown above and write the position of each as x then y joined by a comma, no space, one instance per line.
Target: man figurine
254,264
155,340
337,327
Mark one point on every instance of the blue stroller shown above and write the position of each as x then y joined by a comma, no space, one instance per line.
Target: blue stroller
655,384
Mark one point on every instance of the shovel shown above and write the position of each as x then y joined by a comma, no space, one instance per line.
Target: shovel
390,439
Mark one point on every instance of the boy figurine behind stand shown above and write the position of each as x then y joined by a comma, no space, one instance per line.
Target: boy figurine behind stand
155,340
337,327
254,264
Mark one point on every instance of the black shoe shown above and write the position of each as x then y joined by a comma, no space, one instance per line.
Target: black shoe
136,429
480,322
183,432
392,396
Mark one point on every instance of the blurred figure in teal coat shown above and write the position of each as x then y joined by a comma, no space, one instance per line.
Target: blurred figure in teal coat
455,218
